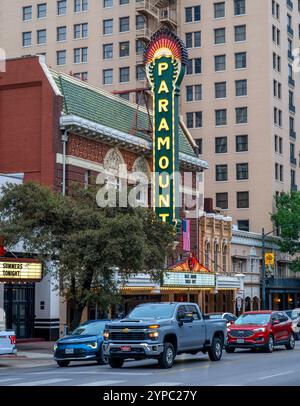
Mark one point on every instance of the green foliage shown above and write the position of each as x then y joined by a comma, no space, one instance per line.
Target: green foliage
86,242
287,217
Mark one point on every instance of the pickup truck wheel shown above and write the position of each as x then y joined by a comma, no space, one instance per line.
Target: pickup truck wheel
116,362
63,363
215,351
167,358
291,343
229,350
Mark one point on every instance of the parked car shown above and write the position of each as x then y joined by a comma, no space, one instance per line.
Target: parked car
7,337
83,344
261,329
294,315
161,331
229,317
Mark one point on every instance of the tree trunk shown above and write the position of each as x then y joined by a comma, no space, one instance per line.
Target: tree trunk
77,313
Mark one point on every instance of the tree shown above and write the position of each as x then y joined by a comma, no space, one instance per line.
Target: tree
87,243
287,218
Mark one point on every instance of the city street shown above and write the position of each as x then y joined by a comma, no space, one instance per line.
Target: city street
243,368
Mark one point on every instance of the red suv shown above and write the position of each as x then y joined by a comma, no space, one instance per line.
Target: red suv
261,329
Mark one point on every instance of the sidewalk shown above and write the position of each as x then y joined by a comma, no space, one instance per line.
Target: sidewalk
34,350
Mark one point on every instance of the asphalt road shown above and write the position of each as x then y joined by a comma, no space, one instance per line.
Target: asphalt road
243,368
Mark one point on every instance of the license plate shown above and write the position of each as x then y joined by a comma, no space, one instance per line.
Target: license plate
69,351
240,341
125,348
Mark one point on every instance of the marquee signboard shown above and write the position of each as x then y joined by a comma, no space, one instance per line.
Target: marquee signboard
189,279
20,270
165,61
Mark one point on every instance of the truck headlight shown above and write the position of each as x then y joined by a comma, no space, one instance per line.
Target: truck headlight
92,344
106,334
153,335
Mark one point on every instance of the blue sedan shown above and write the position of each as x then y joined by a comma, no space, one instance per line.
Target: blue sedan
84,344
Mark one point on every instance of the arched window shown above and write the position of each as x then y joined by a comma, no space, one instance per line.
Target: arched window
224,258
207,255
247,304
216,257
255,303
112,161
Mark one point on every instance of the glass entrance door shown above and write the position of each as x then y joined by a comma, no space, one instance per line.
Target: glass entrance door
19,308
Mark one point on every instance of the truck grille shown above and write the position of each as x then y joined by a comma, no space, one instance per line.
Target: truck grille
132,335
241,333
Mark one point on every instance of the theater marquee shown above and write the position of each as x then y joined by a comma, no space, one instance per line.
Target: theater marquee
165,61
14,270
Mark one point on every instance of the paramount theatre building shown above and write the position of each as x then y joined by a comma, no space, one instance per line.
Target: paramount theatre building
57,130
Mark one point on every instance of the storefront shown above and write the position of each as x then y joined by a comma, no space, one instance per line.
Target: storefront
17,293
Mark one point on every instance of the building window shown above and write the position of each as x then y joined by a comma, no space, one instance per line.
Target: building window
107,3
241,87
124,48
27,13
221,173
239,7
41,10
193,39
61,57
123,2
194,119
222,200
107,76
140,72
216,257
220,90
139,47
192,14
242,200
124,96
241,115
41,37
107,51
240,60
61,33
219,10
194,66
207,255
108,26
193,93
62,7
80,5
26,39
240,33
221,145
221,117
80,30
124,75
220,63
220,36
199,143
82,76
124,24
243,225
140,22
242,171
241,143
81,55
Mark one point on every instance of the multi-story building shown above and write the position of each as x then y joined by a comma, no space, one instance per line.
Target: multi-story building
238,99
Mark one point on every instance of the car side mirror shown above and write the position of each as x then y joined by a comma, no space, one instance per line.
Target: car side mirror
275,322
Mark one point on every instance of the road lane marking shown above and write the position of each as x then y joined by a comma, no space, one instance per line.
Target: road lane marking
41,382
165,384
275,375
101,383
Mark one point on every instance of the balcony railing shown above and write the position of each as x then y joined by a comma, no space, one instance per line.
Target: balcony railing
290,5
293,134
144,34
168,16
290,30
291,81
147,7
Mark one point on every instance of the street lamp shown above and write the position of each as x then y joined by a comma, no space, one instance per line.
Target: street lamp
263,267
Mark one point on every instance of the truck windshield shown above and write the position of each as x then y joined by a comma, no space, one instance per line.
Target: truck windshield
152,311
261,318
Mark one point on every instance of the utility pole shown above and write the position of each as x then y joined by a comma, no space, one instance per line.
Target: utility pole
263,270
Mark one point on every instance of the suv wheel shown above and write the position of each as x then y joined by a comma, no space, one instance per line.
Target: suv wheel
63,363
216,349
270,344
116,362
291,343
167,358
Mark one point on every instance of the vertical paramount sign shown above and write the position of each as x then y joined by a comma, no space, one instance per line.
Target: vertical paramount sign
165,60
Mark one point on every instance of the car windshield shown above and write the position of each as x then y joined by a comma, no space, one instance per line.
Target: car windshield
153,311
293,314
261,318
90,329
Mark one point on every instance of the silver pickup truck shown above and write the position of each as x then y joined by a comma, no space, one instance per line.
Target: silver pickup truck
162,331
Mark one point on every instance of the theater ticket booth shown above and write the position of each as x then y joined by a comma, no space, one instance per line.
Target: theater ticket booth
18,277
